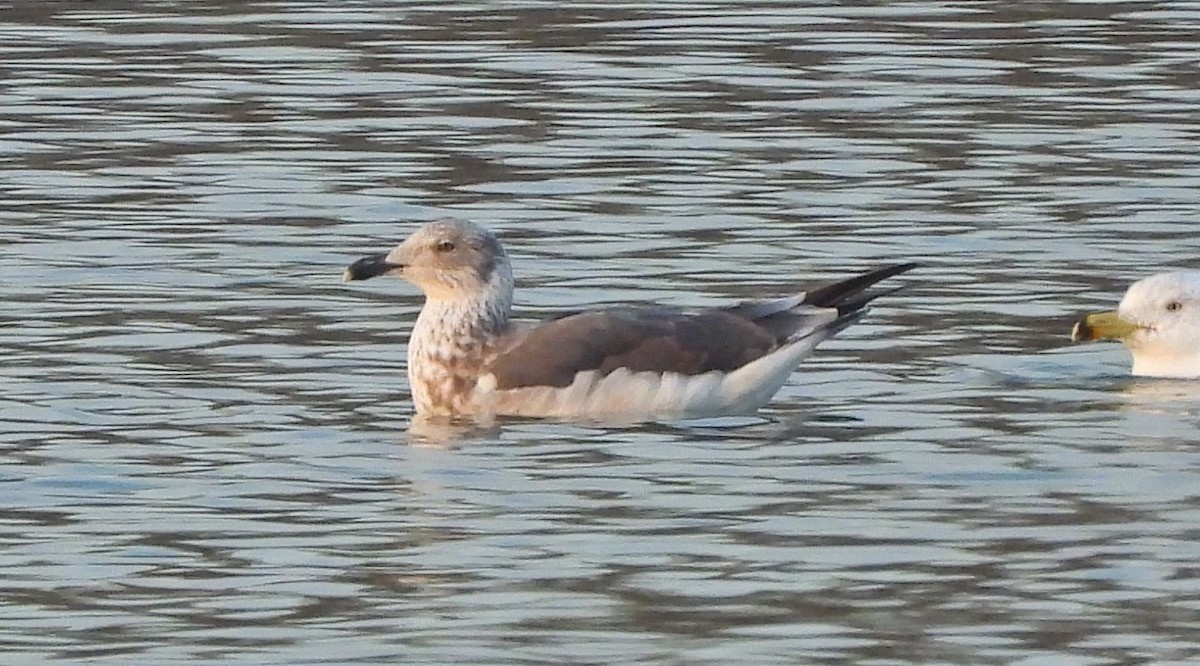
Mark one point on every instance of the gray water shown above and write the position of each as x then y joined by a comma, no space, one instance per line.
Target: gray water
205,453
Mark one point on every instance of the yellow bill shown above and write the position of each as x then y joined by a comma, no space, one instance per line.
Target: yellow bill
1101,326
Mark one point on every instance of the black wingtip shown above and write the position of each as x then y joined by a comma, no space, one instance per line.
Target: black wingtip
851,294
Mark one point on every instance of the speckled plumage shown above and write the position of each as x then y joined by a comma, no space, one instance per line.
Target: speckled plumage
450,342
467,358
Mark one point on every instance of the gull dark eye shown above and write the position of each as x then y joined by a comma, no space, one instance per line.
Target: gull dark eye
1174,306
444,246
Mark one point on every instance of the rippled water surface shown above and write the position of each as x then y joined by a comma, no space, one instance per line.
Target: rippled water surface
205,451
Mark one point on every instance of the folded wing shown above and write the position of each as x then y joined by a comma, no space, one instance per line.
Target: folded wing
666,340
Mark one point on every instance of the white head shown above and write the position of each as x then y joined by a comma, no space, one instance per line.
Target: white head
1159,321
448,260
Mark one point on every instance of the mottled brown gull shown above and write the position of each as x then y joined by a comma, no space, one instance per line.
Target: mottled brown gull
467,358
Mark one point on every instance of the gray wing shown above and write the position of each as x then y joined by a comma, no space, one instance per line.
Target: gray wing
669,340
639,339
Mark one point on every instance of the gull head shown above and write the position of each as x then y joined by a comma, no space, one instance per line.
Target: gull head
1158,321
446,259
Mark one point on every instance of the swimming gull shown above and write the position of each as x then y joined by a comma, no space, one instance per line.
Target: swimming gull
1159,322
467,358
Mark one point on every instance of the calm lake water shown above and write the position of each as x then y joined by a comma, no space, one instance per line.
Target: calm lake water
205,452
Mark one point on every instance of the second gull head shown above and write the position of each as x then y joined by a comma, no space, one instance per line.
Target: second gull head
1157,320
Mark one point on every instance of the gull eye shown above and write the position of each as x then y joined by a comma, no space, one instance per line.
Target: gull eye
1174,306
444,246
